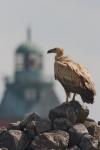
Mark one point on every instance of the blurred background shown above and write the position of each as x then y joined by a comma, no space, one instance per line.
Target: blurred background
31,27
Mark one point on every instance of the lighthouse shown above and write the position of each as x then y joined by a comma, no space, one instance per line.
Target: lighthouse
29,91
29,62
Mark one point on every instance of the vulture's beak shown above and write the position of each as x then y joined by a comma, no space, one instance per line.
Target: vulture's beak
51,51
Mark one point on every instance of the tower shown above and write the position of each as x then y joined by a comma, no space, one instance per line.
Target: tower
29,91
29,62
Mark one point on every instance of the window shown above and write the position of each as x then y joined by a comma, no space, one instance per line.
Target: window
34,61
30,94
19,62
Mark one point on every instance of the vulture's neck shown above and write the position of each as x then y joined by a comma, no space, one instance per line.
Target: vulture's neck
59,56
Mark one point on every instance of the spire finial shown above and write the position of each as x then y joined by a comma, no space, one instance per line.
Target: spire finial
29,34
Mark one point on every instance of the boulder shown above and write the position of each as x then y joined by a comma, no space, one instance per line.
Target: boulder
99,123
3,148
88,143
24,142
62,124
76,133
97,132
14,126
52,140
74,148
9,139
72,111
68,129
91,126
34,123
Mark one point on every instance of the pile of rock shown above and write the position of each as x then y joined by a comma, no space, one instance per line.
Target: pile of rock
67,128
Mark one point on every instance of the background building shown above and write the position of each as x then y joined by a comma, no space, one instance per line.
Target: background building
29,91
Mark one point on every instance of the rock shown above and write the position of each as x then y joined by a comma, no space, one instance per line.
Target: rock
97,133
80,129
88,143
73,111
16,134
99,123
90,120
72,130
32,125
35,123
9,139
3,148
74,148
2,130
91,126
52,140
76,133
32,147
14,126
62,124
24,142
30,130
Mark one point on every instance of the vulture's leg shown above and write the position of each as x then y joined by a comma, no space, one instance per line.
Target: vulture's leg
73,99
67,96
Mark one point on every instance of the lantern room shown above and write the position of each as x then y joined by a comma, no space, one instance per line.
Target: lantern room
28,63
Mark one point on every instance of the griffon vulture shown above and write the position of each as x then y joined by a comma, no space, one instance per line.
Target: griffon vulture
74,77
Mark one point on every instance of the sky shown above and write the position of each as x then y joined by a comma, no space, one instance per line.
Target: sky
71,24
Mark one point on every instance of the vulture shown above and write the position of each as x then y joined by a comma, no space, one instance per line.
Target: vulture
74,77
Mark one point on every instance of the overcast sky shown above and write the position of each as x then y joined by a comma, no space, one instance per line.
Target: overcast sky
71,24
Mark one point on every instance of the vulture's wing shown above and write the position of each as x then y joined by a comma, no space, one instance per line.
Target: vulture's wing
87,78
68,70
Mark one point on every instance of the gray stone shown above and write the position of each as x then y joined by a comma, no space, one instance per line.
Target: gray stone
3,148
32,147
91,126
16,134
62,124
80,129
76,133
2,130
97,132
24,142
98,122
73,111
74,148
14,126
52,140
88,143
9,139
90,120
35,123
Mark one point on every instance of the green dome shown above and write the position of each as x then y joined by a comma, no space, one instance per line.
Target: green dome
28,48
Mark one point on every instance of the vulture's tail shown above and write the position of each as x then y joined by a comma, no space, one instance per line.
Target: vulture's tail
87,96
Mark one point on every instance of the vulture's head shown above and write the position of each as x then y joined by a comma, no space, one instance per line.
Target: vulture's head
58,51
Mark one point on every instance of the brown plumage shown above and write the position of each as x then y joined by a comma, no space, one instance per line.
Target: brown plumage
74,77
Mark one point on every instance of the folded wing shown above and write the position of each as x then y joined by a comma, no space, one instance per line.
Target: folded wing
75,78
